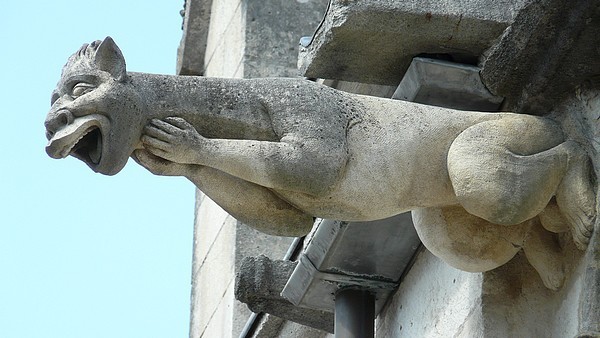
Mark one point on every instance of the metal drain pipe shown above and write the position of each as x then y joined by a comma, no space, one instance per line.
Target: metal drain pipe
354,314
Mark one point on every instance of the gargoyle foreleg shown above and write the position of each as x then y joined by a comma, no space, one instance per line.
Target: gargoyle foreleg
249,203
304,164
252,204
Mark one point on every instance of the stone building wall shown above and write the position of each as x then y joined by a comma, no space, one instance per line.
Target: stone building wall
435,300
244,38
252,38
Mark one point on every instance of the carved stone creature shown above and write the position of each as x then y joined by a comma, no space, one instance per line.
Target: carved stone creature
275,153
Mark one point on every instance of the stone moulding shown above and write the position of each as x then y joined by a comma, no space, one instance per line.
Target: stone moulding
375,41
259,283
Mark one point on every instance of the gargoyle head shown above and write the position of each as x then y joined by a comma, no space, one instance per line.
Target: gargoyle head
96,112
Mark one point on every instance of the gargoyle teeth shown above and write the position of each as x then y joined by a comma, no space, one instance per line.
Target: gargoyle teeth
65,141
67,151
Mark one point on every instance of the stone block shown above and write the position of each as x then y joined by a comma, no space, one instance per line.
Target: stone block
225,42
208,223
259,283
273,28
250,243
375,41
516,304
221,321
433,300
549,50
213,277
295,330
510,301
190,54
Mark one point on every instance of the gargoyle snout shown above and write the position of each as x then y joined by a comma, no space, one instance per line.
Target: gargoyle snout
57,120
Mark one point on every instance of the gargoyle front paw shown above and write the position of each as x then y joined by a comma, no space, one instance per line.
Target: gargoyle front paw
160,166
174,139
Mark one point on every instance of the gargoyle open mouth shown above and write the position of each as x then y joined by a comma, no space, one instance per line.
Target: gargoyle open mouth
82,138
89,147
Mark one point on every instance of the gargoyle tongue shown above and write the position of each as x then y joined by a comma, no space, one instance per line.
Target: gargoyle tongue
62,143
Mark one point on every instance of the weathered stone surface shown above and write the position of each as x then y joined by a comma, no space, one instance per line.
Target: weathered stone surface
375,41
190,55
252,243
224,55
548,51
434,300
515,304
217,265
273,28
275,153
259,283
360,88
583,109
241,45
258,38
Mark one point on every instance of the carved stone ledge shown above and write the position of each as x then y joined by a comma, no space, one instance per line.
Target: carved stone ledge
375,41
259,283
549,50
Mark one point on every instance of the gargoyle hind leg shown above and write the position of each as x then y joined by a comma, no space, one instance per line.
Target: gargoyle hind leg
249,203
507,170
543,252
473,244
467,242
576,197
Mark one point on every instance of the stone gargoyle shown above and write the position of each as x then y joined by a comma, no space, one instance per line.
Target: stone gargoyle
275,153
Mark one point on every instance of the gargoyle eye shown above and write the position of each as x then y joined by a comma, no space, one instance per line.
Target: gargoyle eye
82,88
54,98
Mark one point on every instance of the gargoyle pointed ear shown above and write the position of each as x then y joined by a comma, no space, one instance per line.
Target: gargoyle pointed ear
110,59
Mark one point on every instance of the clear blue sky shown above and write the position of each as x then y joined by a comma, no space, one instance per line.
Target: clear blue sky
81,254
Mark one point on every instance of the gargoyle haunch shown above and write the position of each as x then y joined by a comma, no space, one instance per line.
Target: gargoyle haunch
275,153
